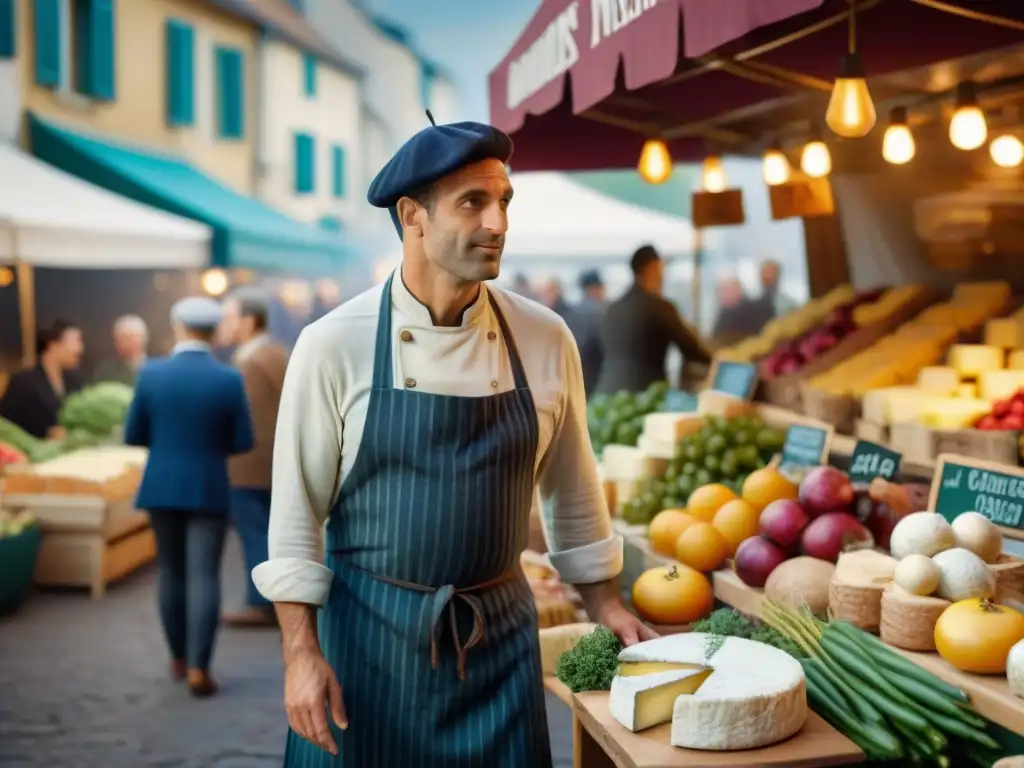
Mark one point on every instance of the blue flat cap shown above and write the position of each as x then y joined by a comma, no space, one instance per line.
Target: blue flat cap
196,312
431,154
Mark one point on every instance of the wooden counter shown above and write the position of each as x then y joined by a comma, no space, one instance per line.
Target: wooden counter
990,695
600,742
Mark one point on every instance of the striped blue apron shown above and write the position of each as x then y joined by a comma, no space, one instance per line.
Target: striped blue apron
430,625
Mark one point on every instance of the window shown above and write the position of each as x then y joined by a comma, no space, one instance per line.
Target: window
305,164
8,35
309,74
92,45
48,37
230,92
338,171
181,110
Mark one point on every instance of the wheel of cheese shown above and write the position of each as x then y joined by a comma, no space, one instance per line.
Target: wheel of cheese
743,696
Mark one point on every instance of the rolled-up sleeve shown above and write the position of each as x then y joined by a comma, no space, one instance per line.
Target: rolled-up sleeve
583,547
307,458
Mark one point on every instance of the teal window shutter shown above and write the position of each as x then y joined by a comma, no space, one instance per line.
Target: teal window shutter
48,43
180,73
309,74
338,170
100,75
8,30
230,93
305,164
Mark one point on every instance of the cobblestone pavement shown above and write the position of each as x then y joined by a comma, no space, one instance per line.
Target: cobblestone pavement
84,684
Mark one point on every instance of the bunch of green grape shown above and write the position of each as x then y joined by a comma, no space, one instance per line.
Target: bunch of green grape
619,419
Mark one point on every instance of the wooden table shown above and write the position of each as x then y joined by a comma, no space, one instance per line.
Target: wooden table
990,694
600,742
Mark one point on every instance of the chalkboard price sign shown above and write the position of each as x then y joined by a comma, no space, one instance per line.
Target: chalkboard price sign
870,460
963,484
737,379
806,445
679,401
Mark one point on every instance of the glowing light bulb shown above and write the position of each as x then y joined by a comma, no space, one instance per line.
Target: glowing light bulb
1006,151
775,167
968,129
898,145
655,164
713,174
851,112
214,281
815,160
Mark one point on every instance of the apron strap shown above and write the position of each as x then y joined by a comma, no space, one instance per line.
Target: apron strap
383,367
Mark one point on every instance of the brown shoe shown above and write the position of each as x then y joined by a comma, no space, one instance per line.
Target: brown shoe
251,617
178,669
200,684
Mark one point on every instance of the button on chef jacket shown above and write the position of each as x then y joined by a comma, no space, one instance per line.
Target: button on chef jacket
323,410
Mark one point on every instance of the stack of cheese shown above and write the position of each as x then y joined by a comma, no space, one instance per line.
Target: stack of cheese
897,359
718,693
956,395
787,327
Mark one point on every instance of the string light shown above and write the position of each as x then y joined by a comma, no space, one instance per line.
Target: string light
775,166
851,112
655,164
713,174
1006,151
815,159
968,129
898,145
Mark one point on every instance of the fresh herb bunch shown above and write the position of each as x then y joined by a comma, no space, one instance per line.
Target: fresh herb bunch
731,623
590,665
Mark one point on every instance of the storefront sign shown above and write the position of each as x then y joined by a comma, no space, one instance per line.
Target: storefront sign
558,47
963,484
870,460
806,445
737,379
718,209
802,199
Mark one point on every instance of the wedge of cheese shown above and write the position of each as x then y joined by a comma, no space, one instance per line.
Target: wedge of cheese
1016,362
627,462
938,380
1000,385
671,427
1005,332
744,695
711,402
971,360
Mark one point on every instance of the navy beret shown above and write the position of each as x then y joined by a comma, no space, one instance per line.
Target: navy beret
198,312
590,278
432,154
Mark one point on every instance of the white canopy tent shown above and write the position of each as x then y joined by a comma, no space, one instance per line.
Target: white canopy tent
49,218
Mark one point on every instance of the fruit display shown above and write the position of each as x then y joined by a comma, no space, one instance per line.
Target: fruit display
863,309
28,445
14,523
722,452
977,635
887,705
673,595
10,455
1007,413
896,361
619,418
790,326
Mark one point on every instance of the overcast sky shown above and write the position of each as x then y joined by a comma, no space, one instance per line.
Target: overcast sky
467,37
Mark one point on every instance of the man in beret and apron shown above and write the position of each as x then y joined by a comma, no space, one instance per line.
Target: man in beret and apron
417,420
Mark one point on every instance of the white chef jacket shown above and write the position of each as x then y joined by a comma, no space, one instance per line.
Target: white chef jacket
325,399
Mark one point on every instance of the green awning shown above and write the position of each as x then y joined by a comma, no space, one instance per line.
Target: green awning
246,233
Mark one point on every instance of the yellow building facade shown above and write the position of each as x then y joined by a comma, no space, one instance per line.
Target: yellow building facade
134,108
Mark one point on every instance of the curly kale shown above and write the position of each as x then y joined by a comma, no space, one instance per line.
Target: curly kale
590,664
732,623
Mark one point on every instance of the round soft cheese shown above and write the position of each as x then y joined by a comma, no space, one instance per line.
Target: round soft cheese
743,695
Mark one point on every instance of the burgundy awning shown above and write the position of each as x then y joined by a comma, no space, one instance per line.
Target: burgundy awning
589,116
584,40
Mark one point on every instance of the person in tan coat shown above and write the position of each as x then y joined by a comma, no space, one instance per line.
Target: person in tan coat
262,363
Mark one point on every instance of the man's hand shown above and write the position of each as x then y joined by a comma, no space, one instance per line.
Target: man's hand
604,605
310,685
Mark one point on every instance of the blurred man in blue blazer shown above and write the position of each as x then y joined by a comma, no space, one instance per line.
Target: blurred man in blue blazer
191,412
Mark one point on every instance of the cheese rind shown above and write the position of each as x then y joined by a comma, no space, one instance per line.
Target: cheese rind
755,696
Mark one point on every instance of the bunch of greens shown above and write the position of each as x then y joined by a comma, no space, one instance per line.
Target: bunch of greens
727,622
590,665
97,409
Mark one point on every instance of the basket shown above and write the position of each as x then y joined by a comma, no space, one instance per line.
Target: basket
18,556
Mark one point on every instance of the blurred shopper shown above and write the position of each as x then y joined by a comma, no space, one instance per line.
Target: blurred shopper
262,363
587,321
552,297
738,316
190,411
521,285
131,338
639,328
33,397
773,302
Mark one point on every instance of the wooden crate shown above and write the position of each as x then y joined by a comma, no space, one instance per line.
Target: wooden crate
874,433
841,411
923,444
785,391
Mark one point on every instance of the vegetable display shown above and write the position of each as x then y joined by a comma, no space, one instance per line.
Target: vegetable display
591,663
96,410
619,418
32,447
890,707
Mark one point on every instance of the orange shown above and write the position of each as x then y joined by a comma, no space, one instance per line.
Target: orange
702,547
766,485
737,521
707,500
673,594
665,529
